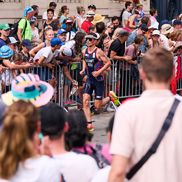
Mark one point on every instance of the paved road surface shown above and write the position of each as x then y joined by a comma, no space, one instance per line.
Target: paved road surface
100,125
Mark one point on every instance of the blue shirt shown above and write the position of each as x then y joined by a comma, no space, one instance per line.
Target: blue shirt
2,42
131,40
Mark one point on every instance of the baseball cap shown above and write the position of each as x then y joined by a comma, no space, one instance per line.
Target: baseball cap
27,10
90,14
26,43
156,32
6,52
52,124
56,42
4,26
29,87
67,51
177,22
69,21
12,40
60,31
91,36
143,27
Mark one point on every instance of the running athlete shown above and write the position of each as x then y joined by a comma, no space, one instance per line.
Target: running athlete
94,64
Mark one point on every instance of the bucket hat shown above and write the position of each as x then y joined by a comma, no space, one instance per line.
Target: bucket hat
6,52
29,87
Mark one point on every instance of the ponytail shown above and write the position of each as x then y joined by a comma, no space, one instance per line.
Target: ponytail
15,139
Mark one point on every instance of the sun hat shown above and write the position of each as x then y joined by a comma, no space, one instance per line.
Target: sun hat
27,10
26,43
12,40
29,87
166,28
52,124
60,31
6,52
90,14
4,26
56,42
156,32
91,36
98,18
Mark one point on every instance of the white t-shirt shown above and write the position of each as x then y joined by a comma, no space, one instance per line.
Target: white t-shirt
102,175
70,35
165,41
77,167
125,16
136,126
35,34
46,52
38,169
44,16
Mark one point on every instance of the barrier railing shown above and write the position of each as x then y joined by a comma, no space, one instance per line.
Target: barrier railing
122,78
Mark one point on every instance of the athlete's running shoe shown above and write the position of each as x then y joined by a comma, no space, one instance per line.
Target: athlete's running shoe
114,98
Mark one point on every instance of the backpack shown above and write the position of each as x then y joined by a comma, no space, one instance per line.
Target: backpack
96,154
14,29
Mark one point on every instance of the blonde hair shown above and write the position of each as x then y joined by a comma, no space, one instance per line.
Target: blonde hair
16,136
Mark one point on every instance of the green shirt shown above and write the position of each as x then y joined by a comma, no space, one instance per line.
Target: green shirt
27,32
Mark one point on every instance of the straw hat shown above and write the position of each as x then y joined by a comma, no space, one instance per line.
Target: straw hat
98,18
166,28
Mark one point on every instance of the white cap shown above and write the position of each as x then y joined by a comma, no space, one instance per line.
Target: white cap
12,40
67,51
90,14
156,32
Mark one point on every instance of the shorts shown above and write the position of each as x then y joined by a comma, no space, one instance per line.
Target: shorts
97,86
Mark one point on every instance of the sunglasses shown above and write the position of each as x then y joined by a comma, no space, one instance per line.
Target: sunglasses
90,39
7,29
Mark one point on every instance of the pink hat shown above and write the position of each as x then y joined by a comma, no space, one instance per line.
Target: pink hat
29,87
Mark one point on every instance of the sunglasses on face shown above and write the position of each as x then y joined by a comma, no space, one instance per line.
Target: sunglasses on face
89,39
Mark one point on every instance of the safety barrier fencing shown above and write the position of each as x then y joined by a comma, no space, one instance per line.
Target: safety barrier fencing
121,77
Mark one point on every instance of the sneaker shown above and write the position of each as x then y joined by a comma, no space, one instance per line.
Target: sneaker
110,108
114,98
90,126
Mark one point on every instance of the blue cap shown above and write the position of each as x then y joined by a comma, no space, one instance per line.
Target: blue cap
60,31
56,42
177,22
6,52
27,10
26,43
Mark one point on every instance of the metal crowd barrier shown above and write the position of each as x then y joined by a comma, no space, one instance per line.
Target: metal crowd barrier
122,78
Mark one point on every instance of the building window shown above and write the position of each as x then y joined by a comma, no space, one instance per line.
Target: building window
68,1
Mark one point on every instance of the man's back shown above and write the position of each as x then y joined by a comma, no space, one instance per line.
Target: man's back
137,125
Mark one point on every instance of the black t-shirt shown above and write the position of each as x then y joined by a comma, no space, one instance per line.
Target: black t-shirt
117,47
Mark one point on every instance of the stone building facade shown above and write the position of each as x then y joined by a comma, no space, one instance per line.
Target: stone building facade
11,10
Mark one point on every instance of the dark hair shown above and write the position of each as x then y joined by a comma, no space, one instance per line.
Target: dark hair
128,3
100,27
78,42
50,10
152,11
53,118
80,9
138,39
115,18
157,64
52,4
35,7
92,6
145,20
78,134
63,9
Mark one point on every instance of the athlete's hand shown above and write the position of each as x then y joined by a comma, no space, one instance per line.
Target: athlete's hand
95,73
